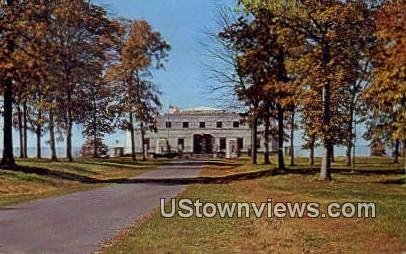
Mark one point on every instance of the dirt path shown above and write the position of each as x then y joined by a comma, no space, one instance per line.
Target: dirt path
78,222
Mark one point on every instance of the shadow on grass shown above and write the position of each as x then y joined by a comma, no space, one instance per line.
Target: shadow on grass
357,171
198,180
53,173
399,181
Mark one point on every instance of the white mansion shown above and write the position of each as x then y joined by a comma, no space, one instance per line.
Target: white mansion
200,130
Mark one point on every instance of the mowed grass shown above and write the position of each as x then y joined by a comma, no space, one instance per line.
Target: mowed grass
16,186
362,163
100,169
384,234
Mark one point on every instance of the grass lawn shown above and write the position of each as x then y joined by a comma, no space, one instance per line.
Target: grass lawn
16,186
362,163
100,169
384,234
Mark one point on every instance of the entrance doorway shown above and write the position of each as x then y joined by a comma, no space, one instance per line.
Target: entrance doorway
203,144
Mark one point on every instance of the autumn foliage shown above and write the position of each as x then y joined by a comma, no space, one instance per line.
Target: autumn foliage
57,60
328,60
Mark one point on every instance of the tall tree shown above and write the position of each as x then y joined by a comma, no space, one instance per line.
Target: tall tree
97,118
140,50
82,35
8,36
21,28
328,29
264,48
386,96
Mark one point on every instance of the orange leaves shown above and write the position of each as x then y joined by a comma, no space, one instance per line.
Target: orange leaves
6,66
387,93
140,49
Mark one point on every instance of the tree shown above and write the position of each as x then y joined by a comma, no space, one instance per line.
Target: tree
140,50
326,29
386,94
147,109
221,61
97,118
228,83
94,148
21,28
264,48
82,36
8,36
52,50
292,127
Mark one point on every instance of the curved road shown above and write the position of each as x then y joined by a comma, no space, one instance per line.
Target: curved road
79,222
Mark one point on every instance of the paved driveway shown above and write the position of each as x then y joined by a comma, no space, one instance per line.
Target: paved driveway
78,222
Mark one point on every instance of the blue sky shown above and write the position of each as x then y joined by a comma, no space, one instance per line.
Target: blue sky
182,23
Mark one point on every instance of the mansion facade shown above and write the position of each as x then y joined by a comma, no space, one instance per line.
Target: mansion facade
200,130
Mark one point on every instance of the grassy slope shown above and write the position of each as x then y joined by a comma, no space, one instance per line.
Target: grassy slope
385,234
16,186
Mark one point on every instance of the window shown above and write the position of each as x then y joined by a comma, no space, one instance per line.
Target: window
181,143
240,143
147,142
202,125
219,124
168,125
236,124
185,125
222,143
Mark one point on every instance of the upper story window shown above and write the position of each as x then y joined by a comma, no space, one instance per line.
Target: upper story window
219,124
236,124
185,124
168,125
202,125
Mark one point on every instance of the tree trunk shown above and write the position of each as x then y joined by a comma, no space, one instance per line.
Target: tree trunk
325,171
131,127
25,127
8,156
38,133
348,160
254,141
311,146
404,150
267,161
69,137
292,133
396,152
332,153
95,131
20,131
143,142
69,126
281,162
95,147
52,142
